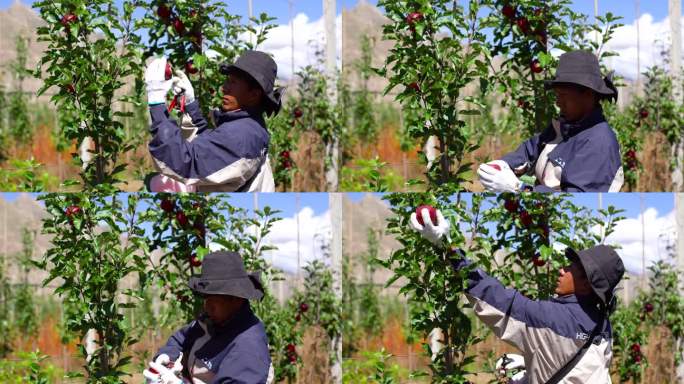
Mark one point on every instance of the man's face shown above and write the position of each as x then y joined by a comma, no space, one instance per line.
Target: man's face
238,94
573,280
221,308
574,104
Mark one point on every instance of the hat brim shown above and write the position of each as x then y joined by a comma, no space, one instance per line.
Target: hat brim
602,89
238,287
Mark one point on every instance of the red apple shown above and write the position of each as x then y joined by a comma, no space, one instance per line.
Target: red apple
67,19
631,154
525,218
70,88
72,210
414,86
511,205
298,113
535,66
303,307
168,71
194,261
293,359
648,307
287,164
193,13
190,68
637,359
413,17
635,348
643,113
182,219
164,12
523,24
179,26
167,205
291,348
538,261
298,317
508,11
432,211
495,166
285,154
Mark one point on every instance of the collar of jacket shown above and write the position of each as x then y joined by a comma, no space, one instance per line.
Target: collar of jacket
221,117
569,129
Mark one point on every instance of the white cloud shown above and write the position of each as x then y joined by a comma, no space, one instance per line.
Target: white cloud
314,231
309,37
659,231
654,36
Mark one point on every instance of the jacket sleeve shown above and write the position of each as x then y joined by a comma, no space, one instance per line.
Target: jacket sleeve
510,315
594,166
214,157
243,366
174,345
527,153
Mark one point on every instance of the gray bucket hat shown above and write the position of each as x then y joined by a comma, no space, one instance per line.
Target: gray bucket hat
582,68
223,273
603,267
263,69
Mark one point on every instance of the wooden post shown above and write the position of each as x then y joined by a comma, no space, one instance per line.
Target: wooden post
675,10
335,203
332,149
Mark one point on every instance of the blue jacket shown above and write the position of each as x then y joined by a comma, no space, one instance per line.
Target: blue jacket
583,156
227,158
547,332
235,353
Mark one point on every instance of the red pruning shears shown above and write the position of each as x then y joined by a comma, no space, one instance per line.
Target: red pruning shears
175,102
168,73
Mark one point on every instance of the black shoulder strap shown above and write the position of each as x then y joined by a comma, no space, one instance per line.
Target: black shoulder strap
561,373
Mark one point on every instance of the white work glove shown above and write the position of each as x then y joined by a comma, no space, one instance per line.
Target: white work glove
503,180
181,84
433,233
163,360
166,375
155,81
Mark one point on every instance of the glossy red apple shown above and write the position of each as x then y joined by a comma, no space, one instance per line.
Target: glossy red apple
190,68
525,218
179,26
164,12
298,317
285,154
298,113
648,307
182,219
643,113
511,205
67,19
431,210
414,86
194,261
635,348
291,348
523,24
72,210
168,71
414,17
538,261
508,11
535,66
303,307
167,205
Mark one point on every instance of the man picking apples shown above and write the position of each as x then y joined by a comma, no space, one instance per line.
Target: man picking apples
578,152
232,156
225,344
567,339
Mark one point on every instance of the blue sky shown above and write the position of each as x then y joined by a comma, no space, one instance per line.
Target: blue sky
308,27
313,8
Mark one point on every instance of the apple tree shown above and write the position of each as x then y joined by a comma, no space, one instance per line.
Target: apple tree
97,242
197,36
439,49
91,57
525,32
284,138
